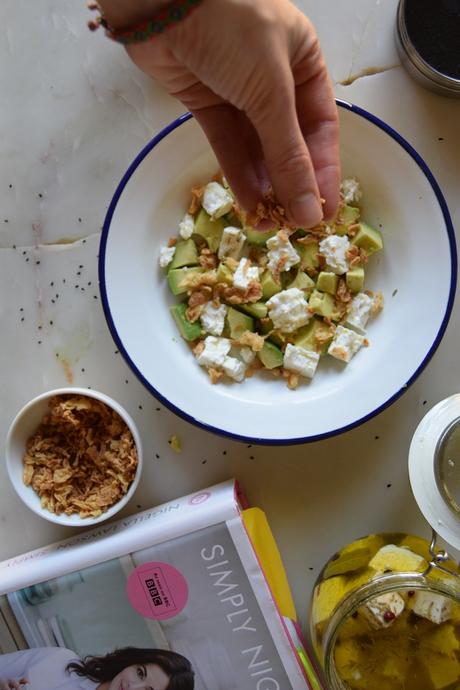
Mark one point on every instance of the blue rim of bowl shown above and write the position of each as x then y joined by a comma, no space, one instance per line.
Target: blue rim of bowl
305,439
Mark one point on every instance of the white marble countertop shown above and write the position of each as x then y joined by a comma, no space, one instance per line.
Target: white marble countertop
74,112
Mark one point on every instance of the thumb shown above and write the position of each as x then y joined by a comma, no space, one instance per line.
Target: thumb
287,158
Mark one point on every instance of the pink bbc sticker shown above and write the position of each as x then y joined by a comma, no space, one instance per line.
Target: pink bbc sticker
200,498
157,590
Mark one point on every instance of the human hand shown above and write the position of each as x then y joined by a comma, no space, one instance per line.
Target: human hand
252,73
11,684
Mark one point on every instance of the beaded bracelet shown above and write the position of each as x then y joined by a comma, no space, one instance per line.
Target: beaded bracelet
172,13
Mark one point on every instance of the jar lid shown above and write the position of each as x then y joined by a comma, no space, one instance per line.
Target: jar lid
434,468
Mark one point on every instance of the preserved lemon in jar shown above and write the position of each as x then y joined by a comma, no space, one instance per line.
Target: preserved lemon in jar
385,615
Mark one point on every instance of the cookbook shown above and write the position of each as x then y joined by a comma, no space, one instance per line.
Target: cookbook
189,594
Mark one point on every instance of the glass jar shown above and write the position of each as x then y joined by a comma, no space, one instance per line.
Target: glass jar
385,611
386,616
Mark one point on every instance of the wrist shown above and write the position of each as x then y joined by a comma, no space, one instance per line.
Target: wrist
122,14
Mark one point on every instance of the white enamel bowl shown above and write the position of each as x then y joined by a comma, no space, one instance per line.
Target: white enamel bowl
26,423
400,196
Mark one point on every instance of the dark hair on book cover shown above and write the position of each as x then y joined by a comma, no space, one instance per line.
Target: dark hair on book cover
105,668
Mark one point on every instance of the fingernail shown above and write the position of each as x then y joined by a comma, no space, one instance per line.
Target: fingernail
306,210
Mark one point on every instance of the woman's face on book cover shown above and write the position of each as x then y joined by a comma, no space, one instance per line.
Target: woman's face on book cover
140,677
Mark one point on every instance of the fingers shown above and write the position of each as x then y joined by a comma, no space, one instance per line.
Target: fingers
318,119
238,151
286,154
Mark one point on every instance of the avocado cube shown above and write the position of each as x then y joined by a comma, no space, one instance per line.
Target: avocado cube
324,304
327,282
187,329
177,275
308,254
265,327
315,336
259,237
185,255
303,282
354,279
270,356
210,229
224,274
347,216
368,238
269,285
238,323
257,309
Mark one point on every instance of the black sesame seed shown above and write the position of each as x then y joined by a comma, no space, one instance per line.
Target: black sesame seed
40,196
140,407
24,252
158,409
157,456
424,402
126,381
89,283
37,263
21,308
94,296
83,369
80,266
63,280
76,287
310,568
52,283
53,301
224,452
251,457
376,438
388,486
27,259
39,328
10,186
83,241
440,138
79,220
51,323
78,273
22,318
139,507
39,342
203,462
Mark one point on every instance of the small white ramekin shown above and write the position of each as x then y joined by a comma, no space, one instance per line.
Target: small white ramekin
25,424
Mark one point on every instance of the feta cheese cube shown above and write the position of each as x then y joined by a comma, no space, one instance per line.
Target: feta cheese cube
186,226
247,355
245,274
345,344
288,310
166,256
216,200
358,316
281,254
234,368
300,360
382,611
351,190
434,607
334,249
231,243
213,318
215,351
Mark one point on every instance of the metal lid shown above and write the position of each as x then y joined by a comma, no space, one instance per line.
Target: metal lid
416,66
434,468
